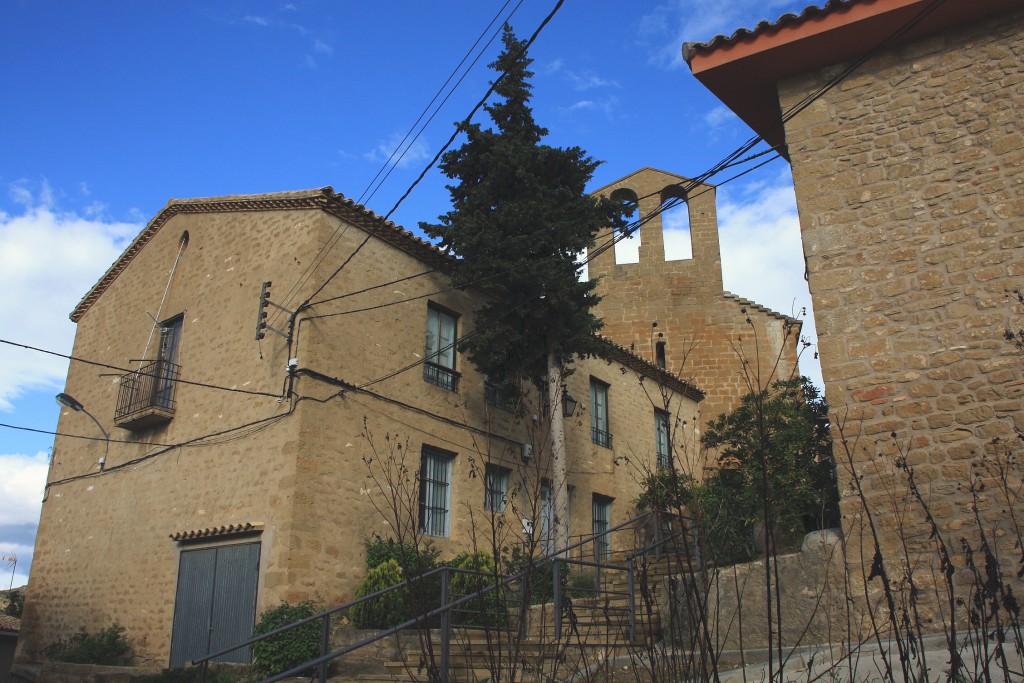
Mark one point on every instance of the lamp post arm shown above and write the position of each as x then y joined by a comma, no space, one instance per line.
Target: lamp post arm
106,437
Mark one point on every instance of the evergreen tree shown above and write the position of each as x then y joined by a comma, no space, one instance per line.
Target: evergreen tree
794,441
520,215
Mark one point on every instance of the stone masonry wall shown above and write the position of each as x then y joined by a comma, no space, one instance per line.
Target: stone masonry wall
348,438
707,331
104,550
911,197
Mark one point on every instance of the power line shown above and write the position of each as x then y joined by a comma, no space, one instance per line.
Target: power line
336,237
347,388
458,130
438,94
267,421
128,371
75,436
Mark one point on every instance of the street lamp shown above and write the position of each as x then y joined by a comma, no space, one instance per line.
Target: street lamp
568,403
69,401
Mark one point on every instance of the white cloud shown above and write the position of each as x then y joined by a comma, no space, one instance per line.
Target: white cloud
665,28
605,105
675,224
589,81
322,48
553,66
22,478
719,116
409,155
762,254
48,261
17,575
259,21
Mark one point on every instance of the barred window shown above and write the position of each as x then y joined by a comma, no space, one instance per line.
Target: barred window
435,492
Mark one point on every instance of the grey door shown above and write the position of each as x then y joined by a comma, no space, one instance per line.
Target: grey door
215,604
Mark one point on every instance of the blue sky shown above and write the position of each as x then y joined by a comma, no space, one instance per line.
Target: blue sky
109,109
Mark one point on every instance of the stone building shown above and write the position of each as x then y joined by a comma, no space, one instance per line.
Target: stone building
901,121
247,457
677,314
237,473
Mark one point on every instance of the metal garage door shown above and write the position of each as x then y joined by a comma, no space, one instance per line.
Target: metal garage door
215,605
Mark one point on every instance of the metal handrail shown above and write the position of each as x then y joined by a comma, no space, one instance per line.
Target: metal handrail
446,607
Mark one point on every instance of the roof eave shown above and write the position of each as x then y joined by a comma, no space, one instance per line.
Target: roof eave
743,70
321,199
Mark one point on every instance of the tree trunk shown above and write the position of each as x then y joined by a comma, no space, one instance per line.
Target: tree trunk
559,488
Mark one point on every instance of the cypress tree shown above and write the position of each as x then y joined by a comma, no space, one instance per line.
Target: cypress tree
520,217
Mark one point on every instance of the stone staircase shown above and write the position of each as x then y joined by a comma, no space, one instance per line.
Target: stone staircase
595,628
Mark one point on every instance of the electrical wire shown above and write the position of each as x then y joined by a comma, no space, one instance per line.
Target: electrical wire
335,238
625,233
127,371
170,447
444,101
451,140
75,436
347,389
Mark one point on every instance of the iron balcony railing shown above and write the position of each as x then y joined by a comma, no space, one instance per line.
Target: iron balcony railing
146,396
446,378
601,437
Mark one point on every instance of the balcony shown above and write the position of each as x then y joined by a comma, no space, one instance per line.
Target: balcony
446,378
146,396
601,437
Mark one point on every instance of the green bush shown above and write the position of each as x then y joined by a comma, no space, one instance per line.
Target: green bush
542,590
488,609
15,604
386,610
108,647
216,674
666,490
411,559
291,648
582,585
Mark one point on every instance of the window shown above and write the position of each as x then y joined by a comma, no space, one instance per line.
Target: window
599,431
495,488
547,519
439,367
503,397
167,362
602,507
145,397
435,492
659,354
661,420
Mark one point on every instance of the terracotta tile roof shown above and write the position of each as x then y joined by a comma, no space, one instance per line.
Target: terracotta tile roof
743,69
620,354
763,309
786,20
324,199
217,531
9,624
